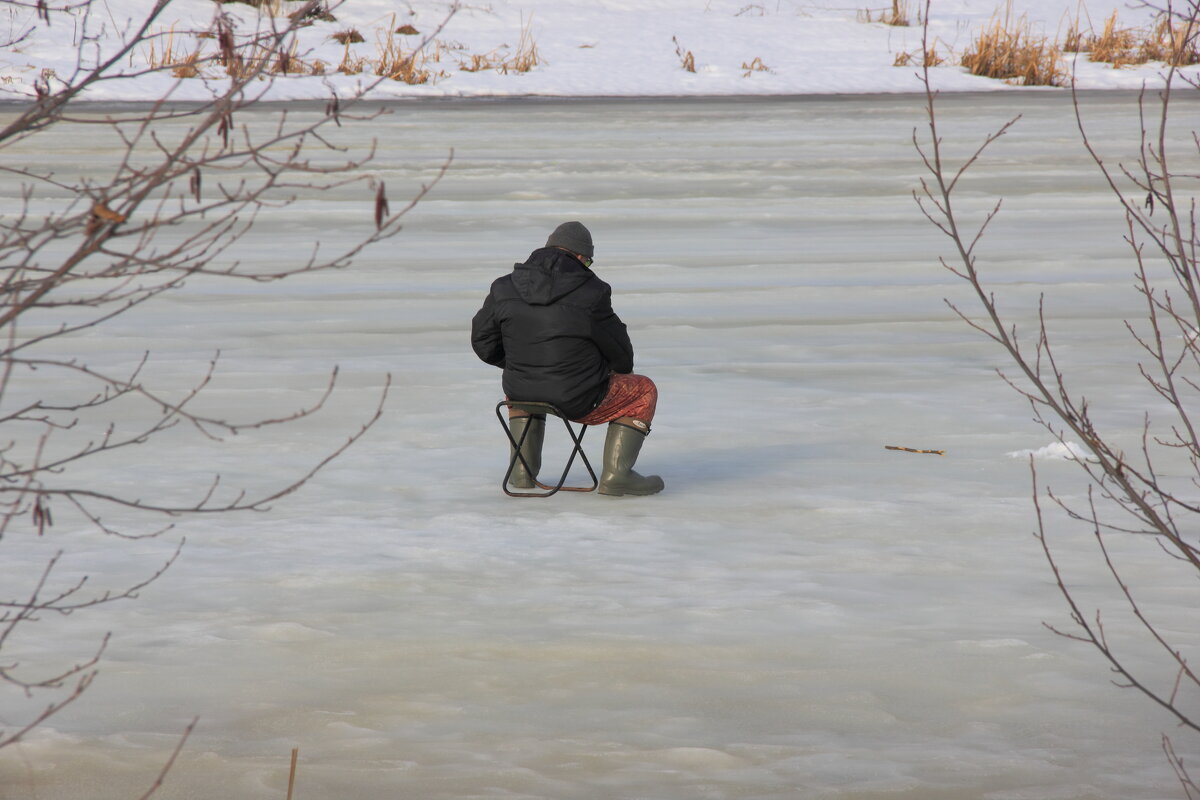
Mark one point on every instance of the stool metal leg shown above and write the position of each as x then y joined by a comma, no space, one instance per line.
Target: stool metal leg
576,450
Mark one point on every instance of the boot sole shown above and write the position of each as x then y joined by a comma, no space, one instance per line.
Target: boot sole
631,493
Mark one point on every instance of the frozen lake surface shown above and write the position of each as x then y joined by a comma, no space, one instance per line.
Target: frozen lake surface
802,613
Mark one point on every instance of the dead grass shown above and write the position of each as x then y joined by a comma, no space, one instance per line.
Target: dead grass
1075,41
896,16
247,59
186,57
686,59
523,59
189,67
526,56
931,59
397,65
1115,45
318,13
287,62
1012,52
1173,42
480,62
348,36
352,65
265,60
165,52
1169,41
754,66
1009,50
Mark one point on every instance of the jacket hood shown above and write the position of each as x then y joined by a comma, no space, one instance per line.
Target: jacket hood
548,275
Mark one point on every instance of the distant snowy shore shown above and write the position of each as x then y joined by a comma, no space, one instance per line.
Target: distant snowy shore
559,48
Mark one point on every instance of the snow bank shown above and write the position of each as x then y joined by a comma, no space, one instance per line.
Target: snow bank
584,47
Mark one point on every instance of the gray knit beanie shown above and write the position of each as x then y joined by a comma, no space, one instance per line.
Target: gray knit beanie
572,236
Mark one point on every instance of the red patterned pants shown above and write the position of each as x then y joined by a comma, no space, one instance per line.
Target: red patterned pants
633,396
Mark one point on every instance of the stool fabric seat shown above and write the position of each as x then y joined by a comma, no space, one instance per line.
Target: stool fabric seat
550,410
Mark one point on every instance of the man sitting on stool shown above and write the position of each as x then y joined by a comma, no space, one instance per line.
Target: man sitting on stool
550,326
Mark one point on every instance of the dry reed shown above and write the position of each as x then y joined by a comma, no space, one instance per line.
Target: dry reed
1115,45
168,52
257,57
930,59
287,62
239,60
348,36
523,59
686,59
1012,52
756,65
1173,42
1170,41
189,67
318,13
526,57
1074,41
393,63
173,56
896,16
352,65
479,62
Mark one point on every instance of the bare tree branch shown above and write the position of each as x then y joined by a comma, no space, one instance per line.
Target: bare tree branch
173,204
1138,496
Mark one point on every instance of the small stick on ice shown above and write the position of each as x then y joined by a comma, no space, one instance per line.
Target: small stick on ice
292,774
914,450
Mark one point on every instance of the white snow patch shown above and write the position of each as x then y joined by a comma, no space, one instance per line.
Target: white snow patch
1061,451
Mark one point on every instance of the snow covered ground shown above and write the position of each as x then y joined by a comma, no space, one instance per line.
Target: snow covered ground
589,47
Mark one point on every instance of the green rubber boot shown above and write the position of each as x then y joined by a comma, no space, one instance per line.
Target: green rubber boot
621,448
522,478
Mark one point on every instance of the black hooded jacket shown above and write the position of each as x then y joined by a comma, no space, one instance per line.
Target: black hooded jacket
550,325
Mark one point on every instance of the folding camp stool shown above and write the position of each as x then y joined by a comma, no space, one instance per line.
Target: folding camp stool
550,410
